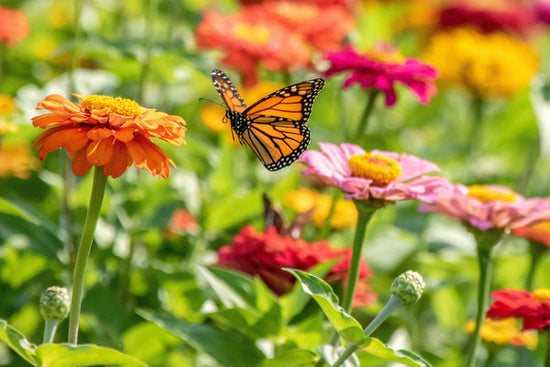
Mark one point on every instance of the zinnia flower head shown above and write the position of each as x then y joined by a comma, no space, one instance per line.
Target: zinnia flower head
302,200
109,132
539,232
16,160
532,308
505,332
542,11
248,42
322,25
377,174
7,104
14,26
382,67
490,206
488,17
488,65
266,253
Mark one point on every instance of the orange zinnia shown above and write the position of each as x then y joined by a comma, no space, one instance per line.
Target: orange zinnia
109,132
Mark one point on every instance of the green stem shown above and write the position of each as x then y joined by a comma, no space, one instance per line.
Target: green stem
531,160
367,112
393,303
490,359
536,250
92,216
485,265
146,67
547,356
475,139
49,330
365,215
325,229
76,39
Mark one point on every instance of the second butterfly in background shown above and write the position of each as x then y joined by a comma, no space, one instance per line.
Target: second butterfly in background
275,126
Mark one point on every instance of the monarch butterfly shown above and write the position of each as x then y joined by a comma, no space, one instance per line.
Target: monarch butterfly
273,127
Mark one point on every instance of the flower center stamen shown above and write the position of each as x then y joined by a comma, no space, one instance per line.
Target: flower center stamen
386,53
118,105
248,32
486,194
542,295
381,170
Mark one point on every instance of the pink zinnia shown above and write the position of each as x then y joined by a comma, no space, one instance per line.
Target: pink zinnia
377,174
381,68
490,206
542,11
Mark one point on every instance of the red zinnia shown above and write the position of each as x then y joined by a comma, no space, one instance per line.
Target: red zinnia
14,26
532,308
266,253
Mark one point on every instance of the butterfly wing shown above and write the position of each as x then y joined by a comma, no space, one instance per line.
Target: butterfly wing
227,91
277,132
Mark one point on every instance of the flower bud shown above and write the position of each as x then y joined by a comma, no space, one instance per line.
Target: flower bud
55,303
408,286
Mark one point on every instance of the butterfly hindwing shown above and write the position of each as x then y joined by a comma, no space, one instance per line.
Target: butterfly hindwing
273,127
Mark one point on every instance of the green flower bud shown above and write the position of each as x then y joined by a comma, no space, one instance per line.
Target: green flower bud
55,303
408,286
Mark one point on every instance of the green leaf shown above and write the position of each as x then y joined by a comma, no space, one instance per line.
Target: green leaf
377,348
67,355
293,302
230,287
229,348
348,328
292,358
18,343
254,323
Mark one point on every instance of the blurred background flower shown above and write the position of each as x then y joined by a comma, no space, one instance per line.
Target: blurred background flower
14,26
503,332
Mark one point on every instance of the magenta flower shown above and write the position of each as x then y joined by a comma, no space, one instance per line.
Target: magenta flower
381,68
542,11
490,206
377,174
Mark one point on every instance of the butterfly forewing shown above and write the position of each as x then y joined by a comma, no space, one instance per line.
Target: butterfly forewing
227,91
273,127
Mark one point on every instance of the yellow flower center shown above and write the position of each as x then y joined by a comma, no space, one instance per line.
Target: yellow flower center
542,295
381,170
251,33
7,104
486,194
118,105
296,12
386,53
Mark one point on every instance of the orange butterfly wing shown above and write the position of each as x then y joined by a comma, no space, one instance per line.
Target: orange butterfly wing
273,127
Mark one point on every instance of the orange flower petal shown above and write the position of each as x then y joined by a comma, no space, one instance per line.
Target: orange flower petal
125,134
120,162
61,137
100,152
147,155
57,104
98,133
81,166
49,119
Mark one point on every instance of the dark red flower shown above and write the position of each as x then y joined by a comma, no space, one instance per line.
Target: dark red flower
532,308
504,16
542,11
266,253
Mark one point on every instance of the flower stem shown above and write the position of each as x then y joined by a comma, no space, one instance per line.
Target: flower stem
146,67
393,303
475,139
547,356
367,112
76,39
49,330
485,265
92,216
536,250
325,229
365,215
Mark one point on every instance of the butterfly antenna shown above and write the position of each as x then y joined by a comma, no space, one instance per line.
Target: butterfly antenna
211,101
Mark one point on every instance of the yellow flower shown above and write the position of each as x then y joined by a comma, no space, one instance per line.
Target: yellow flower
7,127
7,105
302,200
489,65
505,331
16,160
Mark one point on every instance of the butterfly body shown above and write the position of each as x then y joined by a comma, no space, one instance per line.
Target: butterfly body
275,126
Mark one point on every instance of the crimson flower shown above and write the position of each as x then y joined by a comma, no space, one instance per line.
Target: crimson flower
377,174
542,11
266,253
382,67
502,16
247,42
532,308
490,206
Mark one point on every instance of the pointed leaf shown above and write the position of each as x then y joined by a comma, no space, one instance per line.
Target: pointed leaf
67,355
377,348
229,348
349,328
230,287
18,343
